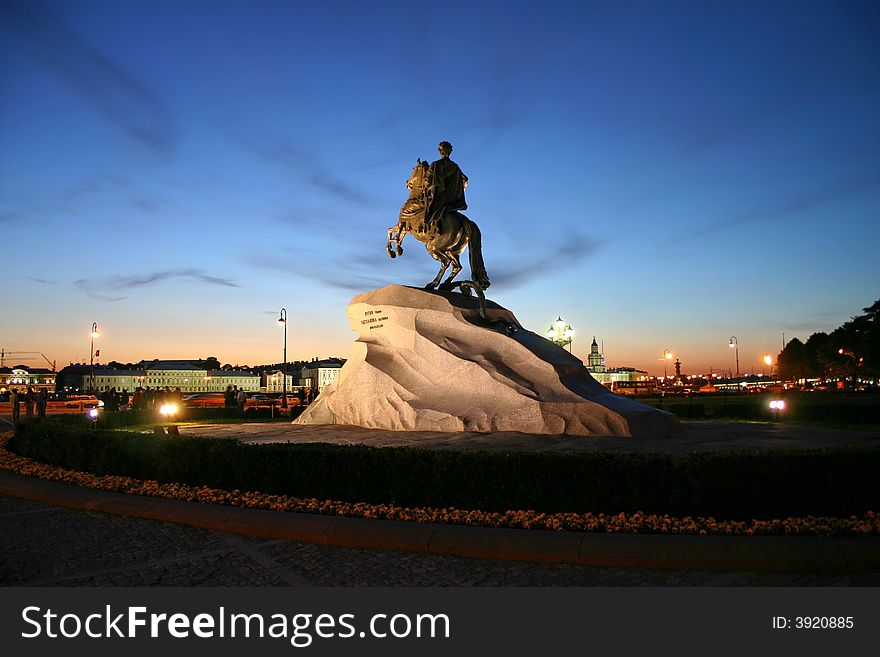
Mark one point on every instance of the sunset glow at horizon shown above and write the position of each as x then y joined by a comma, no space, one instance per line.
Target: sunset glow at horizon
662,177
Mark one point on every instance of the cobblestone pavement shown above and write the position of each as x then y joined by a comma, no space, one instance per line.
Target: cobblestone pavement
45,545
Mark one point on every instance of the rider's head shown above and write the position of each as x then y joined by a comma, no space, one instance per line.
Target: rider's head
445,148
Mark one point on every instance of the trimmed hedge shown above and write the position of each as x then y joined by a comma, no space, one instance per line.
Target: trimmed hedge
725,485
110,420
861,408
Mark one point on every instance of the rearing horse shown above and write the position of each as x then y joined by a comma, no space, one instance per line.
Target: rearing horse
444,243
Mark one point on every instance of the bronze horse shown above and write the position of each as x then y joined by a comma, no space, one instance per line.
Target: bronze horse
446,243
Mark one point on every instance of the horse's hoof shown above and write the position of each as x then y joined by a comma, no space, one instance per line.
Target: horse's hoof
431,286
399,251
391,254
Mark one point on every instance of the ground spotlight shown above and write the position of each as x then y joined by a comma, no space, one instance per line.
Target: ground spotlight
168,409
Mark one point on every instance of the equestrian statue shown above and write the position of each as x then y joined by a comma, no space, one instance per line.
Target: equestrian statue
431,215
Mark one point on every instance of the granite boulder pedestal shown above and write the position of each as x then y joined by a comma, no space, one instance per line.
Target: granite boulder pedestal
431,361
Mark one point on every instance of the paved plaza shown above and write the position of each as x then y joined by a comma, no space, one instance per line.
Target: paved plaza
46,545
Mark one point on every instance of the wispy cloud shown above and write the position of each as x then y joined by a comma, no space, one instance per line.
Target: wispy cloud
42,281
310,169
100,287
116,94
574,250
33,213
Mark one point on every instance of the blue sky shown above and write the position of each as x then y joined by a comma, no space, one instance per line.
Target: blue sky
662,175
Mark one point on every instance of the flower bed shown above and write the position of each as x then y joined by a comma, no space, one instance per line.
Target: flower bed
636,523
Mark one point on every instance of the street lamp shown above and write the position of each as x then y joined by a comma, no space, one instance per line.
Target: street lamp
735,346
767,361
95,334
560,333
667,356
283,320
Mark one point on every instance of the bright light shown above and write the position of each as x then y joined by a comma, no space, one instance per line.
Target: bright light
768,360
668,356
732,345
777,405
168,409
93,413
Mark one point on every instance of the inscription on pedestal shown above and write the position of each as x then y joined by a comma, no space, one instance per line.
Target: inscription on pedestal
374,318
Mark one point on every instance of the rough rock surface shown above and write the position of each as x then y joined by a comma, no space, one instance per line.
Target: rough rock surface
427,361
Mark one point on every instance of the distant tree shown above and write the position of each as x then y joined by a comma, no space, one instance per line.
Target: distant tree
794,361
115,364
210,363
869,330
851,351
817,358
70,377
857,344
832,355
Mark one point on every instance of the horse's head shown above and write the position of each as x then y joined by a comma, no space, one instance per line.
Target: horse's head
418,177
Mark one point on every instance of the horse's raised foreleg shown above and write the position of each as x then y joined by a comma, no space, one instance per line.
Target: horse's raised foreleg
391,230
395,236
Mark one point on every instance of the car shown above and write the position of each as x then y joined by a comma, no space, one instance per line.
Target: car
82,401
205,400
259,399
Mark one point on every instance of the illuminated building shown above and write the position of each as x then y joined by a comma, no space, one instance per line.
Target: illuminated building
20,378
607,375
320,373
174,374
271,381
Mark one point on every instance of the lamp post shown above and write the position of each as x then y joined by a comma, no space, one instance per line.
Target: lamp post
735,346
283,320
766,361
95,334
667,356
560,333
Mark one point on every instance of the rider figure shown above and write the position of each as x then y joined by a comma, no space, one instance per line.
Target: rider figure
446,185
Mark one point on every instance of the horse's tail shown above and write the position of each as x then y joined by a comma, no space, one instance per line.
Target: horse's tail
475,253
